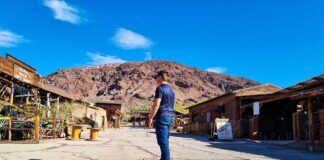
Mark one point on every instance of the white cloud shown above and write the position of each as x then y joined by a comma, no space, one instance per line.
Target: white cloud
63,11
217,69
148,56
97,59
10,39
127,39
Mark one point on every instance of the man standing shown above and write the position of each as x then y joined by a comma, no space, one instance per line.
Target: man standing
162,111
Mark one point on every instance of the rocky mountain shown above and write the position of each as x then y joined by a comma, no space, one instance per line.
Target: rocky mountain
133,83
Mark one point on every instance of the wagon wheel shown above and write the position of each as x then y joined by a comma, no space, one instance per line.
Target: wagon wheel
4,134
4,125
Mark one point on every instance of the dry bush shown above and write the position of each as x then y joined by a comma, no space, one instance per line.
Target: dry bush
70,110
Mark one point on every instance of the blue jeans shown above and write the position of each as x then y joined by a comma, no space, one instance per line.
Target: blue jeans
163,126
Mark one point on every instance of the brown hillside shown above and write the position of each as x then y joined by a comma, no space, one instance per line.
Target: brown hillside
133,83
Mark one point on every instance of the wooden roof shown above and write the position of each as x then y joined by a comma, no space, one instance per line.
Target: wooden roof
103,101
299,90
299,86
265,89
58,91
258,90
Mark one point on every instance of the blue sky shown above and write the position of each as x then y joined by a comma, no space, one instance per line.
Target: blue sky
271,41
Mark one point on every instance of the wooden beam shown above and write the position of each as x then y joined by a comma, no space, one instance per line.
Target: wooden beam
259,97
306,94
247,105
5,79
12,94
275,98
310,124
36,129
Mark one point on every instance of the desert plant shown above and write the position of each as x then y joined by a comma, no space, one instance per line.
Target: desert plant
69,110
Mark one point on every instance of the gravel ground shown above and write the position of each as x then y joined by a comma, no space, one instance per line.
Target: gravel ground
131,143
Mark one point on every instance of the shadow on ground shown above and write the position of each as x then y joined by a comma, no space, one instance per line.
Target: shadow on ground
251,147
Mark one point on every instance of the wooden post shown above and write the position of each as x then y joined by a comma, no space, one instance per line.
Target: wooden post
321,116
140,120
36,129
58,106
12,93
295,120
48,103
9,129
310,125
57,112
54,127
240,108
27,98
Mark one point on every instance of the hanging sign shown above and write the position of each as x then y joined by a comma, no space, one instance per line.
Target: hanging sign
256,108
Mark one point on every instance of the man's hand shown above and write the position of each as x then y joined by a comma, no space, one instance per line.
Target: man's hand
150,124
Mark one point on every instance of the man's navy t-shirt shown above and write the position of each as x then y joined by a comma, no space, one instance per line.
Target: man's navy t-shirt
166,94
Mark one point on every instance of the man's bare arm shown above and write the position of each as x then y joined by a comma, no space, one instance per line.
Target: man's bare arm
154,109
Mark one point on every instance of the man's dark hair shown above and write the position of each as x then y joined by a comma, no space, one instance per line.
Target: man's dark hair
163,74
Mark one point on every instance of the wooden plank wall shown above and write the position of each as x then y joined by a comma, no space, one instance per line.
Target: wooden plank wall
6,66
20,71
321,115
254,128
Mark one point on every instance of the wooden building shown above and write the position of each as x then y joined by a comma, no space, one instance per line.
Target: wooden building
15,74
140,117
113,109
294,113
23,88
202,115
97,116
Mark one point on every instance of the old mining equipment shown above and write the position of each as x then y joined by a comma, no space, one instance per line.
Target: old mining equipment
24,120
21,126
5,90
